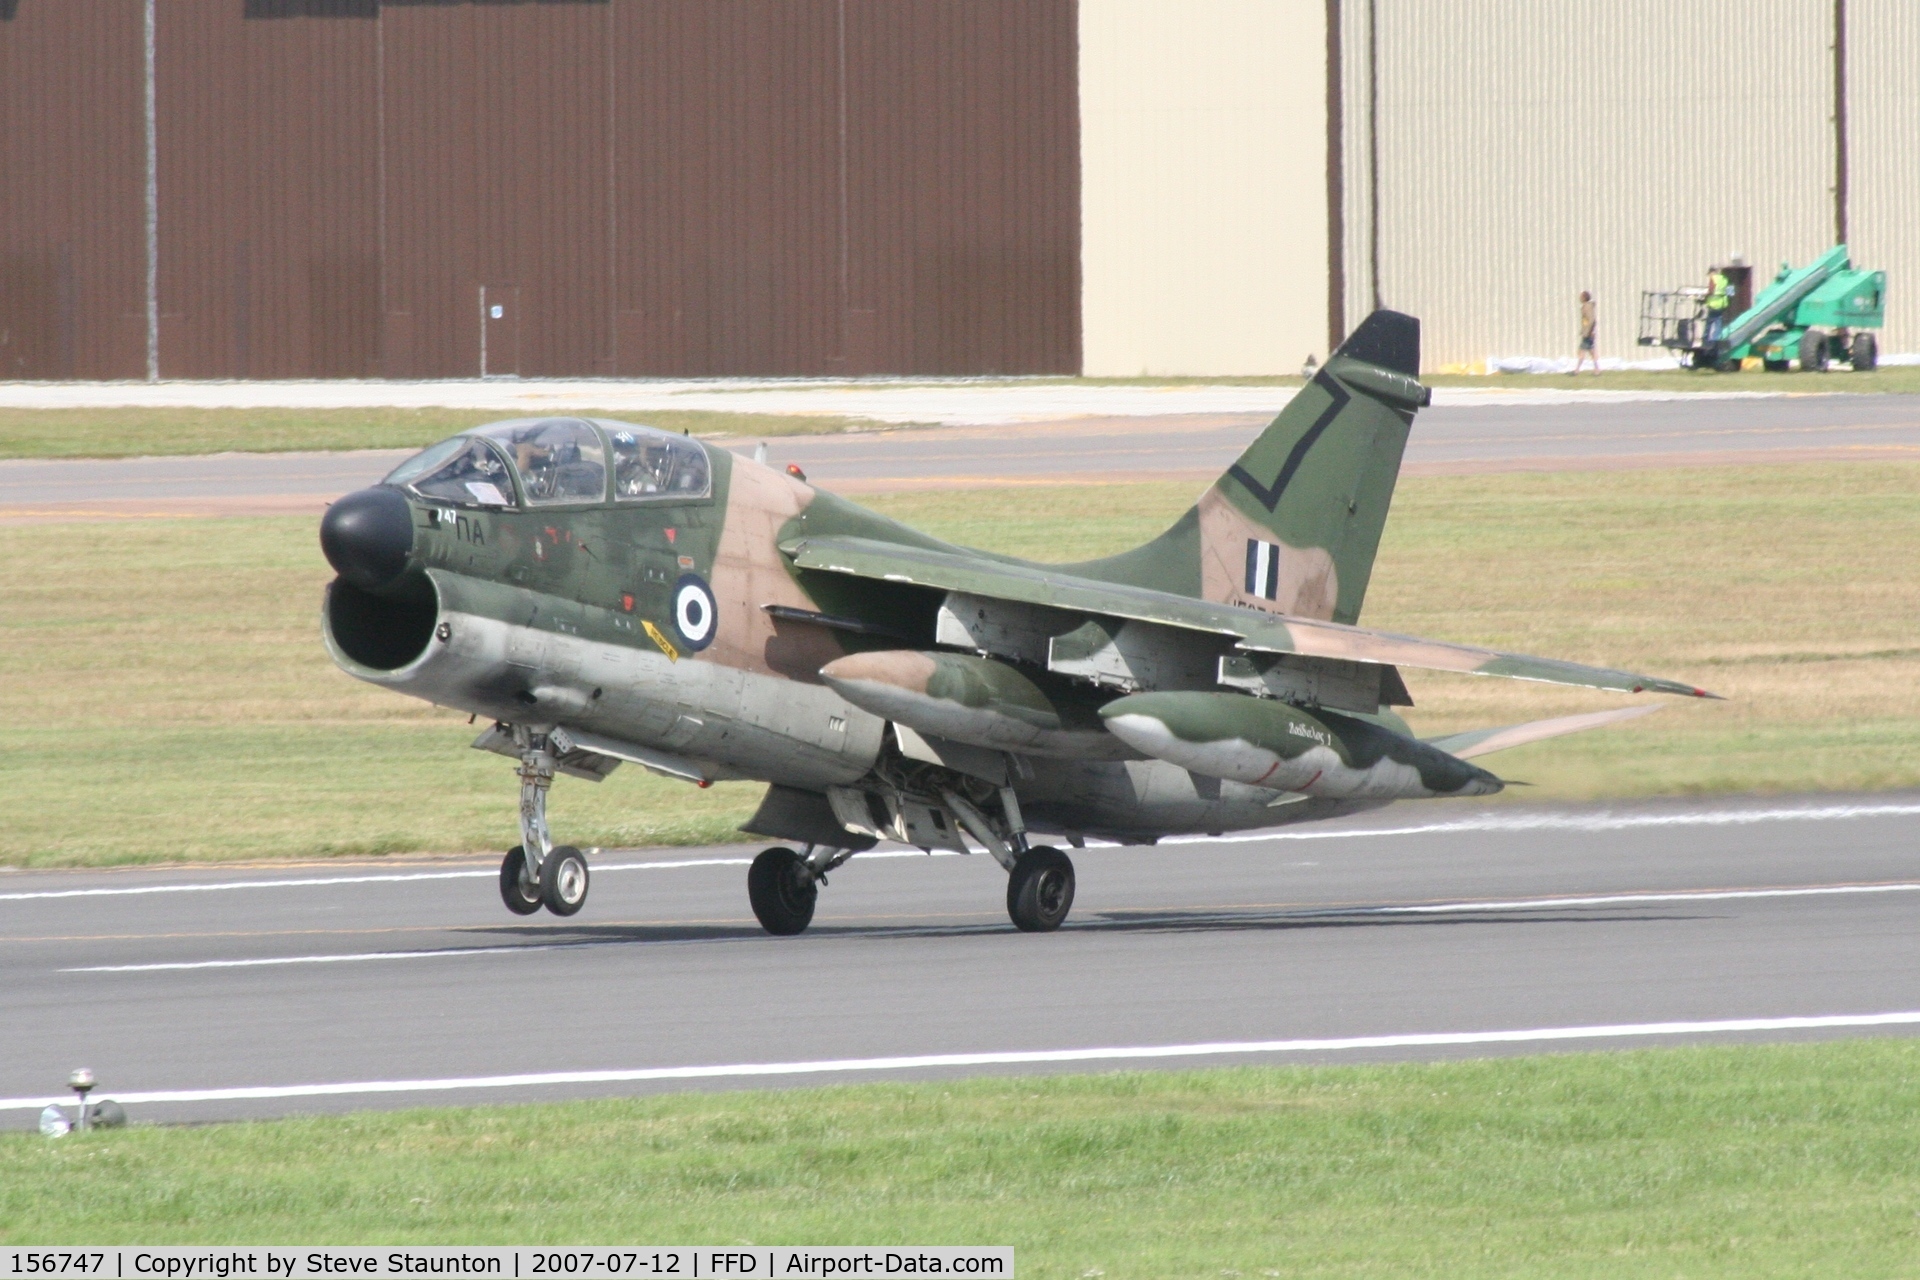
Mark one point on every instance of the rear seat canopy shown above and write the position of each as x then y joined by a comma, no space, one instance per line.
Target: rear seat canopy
650,463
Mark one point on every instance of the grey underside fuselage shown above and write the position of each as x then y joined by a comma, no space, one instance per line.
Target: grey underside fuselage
520,656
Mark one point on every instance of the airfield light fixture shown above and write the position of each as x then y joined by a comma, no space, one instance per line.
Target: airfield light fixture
81,1082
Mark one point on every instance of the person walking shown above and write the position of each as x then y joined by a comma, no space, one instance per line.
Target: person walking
1588,327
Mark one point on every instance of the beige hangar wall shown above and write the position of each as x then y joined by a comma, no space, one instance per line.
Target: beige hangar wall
1203,185
1525,154
1883,118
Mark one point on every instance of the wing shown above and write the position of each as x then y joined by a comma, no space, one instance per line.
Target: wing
1249,629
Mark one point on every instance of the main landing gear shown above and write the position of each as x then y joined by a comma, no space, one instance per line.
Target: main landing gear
783,886
1039,877
536,873
1040,889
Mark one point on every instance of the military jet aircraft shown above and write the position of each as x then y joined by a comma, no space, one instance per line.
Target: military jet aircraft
605,592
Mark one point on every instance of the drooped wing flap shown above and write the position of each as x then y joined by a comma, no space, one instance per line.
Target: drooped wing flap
1252,630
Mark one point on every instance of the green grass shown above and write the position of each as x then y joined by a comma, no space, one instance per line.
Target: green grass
171,700
1753,1161
131,432
118,433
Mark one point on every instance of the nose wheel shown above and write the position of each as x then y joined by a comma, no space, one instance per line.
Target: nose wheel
563,881
561,889
517,887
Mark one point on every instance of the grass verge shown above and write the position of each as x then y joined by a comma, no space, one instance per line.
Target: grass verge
171,699
126,433
133,432
1749,1161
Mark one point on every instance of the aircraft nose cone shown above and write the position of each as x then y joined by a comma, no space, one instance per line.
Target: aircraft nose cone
367,537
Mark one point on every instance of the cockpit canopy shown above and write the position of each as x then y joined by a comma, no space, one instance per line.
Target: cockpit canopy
556,461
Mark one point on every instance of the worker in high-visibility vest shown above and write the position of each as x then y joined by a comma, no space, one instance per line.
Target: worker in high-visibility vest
1719,298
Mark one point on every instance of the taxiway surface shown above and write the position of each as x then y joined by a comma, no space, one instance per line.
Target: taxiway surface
343,986
1446,439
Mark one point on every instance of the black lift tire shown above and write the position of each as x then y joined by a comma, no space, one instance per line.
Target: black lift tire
1866,352
563,880
1040,890
521,897
782,891
1813,352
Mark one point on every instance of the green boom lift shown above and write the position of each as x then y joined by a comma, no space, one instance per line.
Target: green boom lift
1818,313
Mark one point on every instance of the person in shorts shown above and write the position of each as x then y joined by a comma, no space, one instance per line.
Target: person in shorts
1588,326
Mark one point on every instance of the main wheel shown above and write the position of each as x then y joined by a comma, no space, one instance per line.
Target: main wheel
1040,890
1813,352
782,891
1866,352
563,881
520,894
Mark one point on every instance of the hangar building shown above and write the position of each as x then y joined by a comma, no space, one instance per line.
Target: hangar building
449,188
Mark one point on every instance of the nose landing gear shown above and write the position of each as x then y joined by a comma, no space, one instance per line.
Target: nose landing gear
535,872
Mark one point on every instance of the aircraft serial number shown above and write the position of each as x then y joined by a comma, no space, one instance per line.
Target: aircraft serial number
57,1263
638,1264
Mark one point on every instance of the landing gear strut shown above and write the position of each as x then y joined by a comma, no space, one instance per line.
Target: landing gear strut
535,873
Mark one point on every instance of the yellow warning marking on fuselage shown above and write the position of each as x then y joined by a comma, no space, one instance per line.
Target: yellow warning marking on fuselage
666,645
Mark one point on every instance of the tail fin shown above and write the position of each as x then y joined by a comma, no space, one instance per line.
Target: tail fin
1293,526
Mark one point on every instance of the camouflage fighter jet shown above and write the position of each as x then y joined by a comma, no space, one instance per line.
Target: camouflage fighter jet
606,592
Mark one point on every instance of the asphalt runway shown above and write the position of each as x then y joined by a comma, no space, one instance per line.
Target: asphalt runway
1425,931
1600,433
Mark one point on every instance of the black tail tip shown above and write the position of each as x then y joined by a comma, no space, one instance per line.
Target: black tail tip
1388,339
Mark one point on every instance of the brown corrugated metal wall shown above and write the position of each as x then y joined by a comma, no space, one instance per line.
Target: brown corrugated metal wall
269,194
72,171
347,187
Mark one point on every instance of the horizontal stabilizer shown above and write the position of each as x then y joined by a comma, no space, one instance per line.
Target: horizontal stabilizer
1480,742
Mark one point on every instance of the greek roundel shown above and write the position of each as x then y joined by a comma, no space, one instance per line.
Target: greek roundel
693,611
1263,569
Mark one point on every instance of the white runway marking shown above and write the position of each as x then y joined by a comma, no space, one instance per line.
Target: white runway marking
1618,899
265,961
397,877
1488,823
1444,1039
1579,822
1145,916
